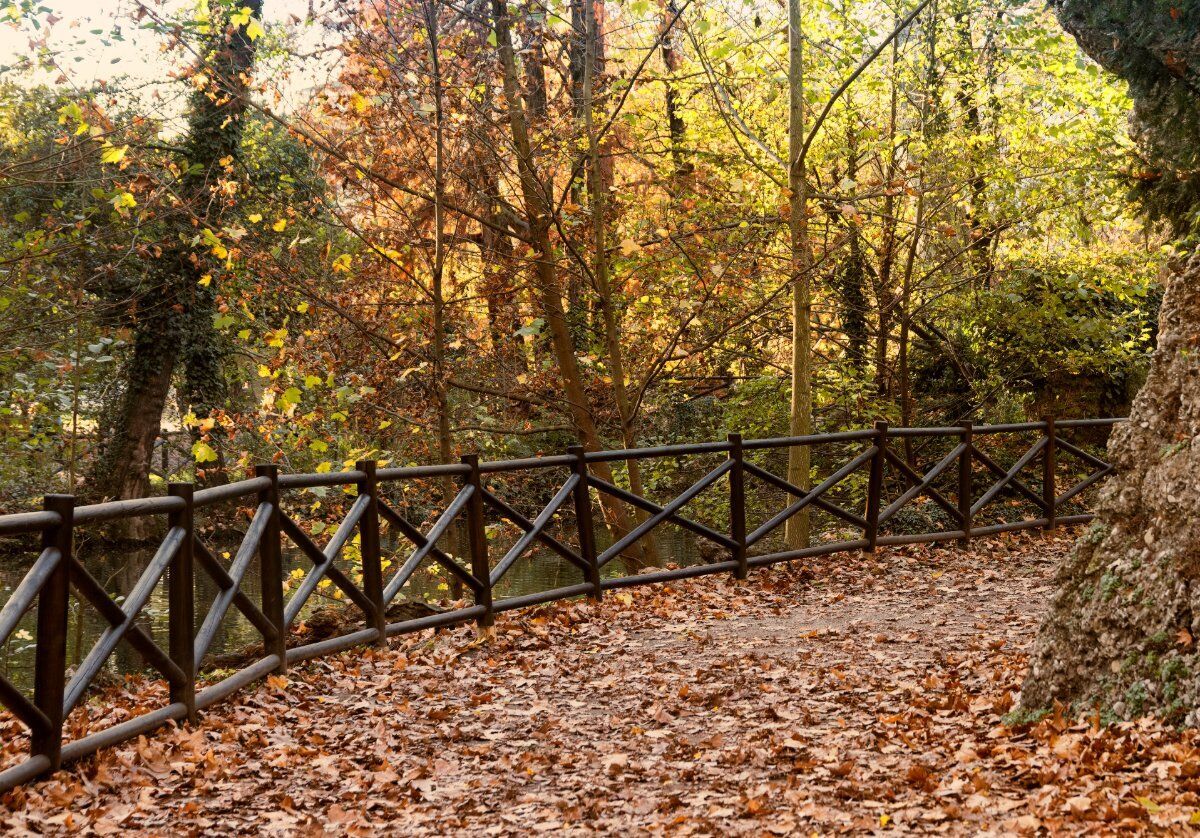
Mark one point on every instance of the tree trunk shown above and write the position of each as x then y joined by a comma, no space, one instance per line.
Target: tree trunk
796,532
1121,628
216,124
671,60
980,254
545,280
123,467
598,189
850,283
850,276
437,271
175,316
1120,634
884,296
907,402
931,123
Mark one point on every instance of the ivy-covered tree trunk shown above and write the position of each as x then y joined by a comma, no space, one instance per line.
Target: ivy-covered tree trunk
172,319
1122,630
216,125
135,413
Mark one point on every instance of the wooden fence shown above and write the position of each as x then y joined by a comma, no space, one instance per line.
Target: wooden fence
182,554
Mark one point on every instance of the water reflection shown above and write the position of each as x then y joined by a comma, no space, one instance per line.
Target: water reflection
119,568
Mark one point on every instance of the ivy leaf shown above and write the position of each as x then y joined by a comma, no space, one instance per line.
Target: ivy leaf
202,452
113,154
291,396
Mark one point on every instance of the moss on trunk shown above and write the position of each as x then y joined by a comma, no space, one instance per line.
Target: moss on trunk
1121,631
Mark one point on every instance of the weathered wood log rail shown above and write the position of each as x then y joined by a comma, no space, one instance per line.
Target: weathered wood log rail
181,554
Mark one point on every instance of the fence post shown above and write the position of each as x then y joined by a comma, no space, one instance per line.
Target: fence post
270,559
875,485
368,548
584,521
181,599
50,654
477,538
967,438
737,506
1049,466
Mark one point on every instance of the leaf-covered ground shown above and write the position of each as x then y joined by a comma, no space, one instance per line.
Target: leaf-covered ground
860,694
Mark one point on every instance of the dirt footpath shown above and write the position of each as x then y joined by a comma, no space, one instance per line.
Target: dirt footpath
859,694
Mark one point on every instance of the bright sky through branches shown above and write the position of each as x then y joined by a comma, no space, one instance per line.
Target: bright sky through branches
83,44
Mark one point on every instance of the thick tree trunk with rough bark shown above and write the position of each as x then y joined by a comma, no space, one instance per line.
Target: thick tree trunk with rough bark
1121,632
122,469
1122,629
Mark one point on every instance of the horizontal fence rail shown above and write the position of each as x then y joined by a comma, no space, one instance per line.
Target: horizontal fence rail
182,554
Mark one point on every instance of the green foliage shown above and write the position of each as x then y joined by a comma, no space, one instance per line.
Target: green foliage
1071,339
975,258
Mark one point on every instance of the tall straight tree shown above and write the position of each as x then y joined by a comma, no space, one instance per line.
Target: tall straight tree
539,217
801,134
599,181
800,265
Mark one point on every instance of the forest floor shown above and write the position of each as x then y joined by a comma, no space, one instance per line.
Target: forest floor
861,694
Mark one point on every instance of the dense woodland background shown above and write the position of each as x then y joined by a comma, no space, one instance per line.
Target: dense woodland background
506,229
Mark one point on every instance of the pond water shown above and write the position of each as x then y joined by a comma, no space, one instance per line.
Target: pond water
118,569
